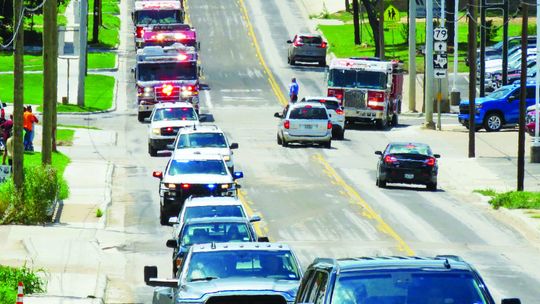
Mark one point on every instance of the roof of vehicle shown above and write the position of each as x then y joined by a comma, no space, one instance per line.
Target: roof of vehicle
407,143
354,264
196,156
202,128
309,34
238,246
304,104
216,220
178,104
367,64
157,5
320,97
212,201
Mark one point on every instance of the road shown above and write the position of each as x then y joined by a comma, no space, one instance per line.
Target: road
323,202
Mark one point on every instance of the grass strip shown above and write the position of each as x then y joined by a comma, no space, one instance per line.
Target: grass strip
34,62
64,137
78,127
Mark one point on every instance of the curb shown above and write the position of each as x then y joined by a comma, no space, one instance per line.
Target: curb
102,222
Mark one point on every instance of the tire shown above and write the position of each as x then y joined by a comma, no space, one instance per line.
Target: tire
288,60
381,124
493,122
163,220
328,144
341,134
284,143
322,63
140,116
279,141
395,120
432,187
152,151
292,61
381,183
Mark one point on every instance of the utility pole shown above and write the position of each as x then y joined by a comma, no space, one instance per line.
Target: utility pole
381,29
455,94
97,21
482,49
522,99
472,76
356,22
83,39
429,75
412,56
18,94
49,83
535,148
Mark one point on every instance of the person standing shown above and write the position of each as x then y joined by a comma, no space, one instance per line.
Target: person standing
6,127
8,153
28,123
293,91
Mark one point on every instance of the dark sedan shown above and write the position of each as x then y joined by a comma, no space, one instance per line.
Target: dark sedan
407,163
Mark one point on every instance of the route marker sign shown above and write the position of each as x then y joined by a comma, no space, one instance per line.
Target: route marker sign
440,73
440,34
440,61
440,46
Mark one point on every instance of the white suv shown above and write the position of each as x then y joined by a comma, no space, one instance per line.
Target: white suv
204,139
193,175
305,122
165,121
335,111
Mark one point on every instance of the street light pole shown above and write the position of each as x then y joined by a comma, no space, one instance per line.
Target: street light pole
412,56
522,100
428,83
535,148
83,39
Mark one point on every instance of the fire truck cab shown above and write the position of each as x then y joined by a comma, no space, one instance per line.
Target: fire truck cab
166,74
169,34
369,89
152,12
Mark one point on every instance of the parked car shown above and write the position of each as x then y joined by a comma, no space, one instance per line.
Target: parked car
335,112
304,122
240,273
498,109
530,120
307,47
407,163
394,279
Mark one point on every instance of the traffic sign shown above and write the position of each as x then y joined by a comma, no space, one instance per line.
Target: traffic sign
440,73
440,46
391,15
440,34
440,61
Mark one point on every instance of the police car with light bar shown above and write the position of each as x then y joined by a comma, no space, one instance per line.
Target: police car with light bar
166,74
147,13
193,175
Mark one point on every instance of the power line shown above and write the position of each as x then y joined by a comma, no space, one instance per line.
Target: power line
21,19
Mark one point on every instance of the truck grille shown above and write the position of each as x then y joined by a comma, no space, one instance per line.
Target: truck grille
354,99
163,95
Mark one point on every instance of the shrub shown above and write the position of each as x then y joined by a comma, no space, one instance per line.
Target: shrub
516,200
11,276
7,294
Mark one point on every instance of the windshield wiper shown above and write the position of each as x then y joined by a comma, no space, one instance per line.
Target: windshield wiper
204,279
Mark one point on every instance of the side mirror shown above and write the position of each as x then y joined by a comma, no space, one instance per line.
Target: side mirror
238,175
150,272
171,244
146,120
233,146
277,115
289,41
254,219
170,147
158,174
173,220
378,153
511,301
263,239
437,155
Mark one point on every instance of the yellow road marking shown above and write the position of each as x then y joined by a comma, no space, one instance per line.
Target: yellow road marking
186,15
368,211
271,79
247,204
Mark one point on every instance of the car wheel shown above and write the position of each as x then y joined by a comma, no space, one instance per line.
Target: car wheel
395,120
163,220
381,183
293,62
322,63
288,60
279,141
151,150
432,187
140,117
493,122
284,143
381,124
328,144
341,134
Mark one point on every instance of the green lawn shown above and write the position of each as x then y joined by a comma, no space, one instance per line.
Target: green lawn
59,162
64,137
34,62
98,92
108,32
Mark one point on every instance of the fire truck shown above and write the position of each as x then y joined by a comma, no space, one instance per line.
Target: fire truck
153,12
370,90
166,74
168,34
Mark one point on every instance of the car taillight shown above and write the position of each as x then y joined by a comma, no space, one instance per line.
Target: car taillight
322,45
329,125
181,57
185,186
337,93
430,161
376,100
339,111
390,159
179,36
298,42
139,31
286,124
167,89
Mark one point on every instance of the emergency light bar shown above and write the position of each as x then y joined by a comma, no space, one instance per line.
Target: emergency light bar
356,64
171,27
158,5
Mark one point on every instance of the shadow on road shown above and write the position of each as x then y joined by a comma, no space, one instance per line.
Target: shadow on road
410,188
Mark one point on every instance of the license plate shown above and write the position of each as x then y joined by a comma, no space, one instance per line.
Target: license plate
308,127
409,176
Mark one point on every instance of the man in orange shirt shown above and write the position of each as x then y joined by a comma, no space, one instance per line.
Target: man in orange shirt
28,123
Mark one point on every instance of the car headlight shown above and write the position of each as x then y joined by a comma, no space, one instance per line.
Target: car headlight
478,106
226,186
156,131
171,186
226,157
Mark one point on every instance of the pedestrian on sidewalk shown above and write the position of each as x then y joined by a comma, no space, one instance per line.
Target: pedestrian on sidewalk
29,119
6,127
8,153
293,91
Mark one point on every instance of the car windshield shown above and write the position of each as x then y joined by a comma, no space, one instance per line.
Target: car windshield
174,114
407,286
243,264
310,39
178,167
329,104
213,211
409,149
308,112
202,140
356,79
159,71
500,93
158,17
215,232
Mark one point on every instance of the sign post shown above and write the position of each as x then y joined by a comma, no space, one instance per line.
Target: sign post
440,64
392,20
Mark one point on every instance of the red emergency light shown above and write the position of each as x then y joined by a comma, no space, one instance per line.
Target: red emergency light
167,89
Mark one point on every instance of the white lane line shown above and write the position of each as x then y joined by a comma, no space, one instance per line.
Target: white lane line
240,90
241,98
208,100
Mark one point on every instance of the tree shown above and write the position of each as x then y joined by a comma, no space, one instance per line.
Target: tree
348,6
372,8
356,21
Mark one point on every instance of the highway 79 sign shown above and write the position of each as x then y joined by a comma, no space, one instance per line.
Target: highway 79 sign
440,34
